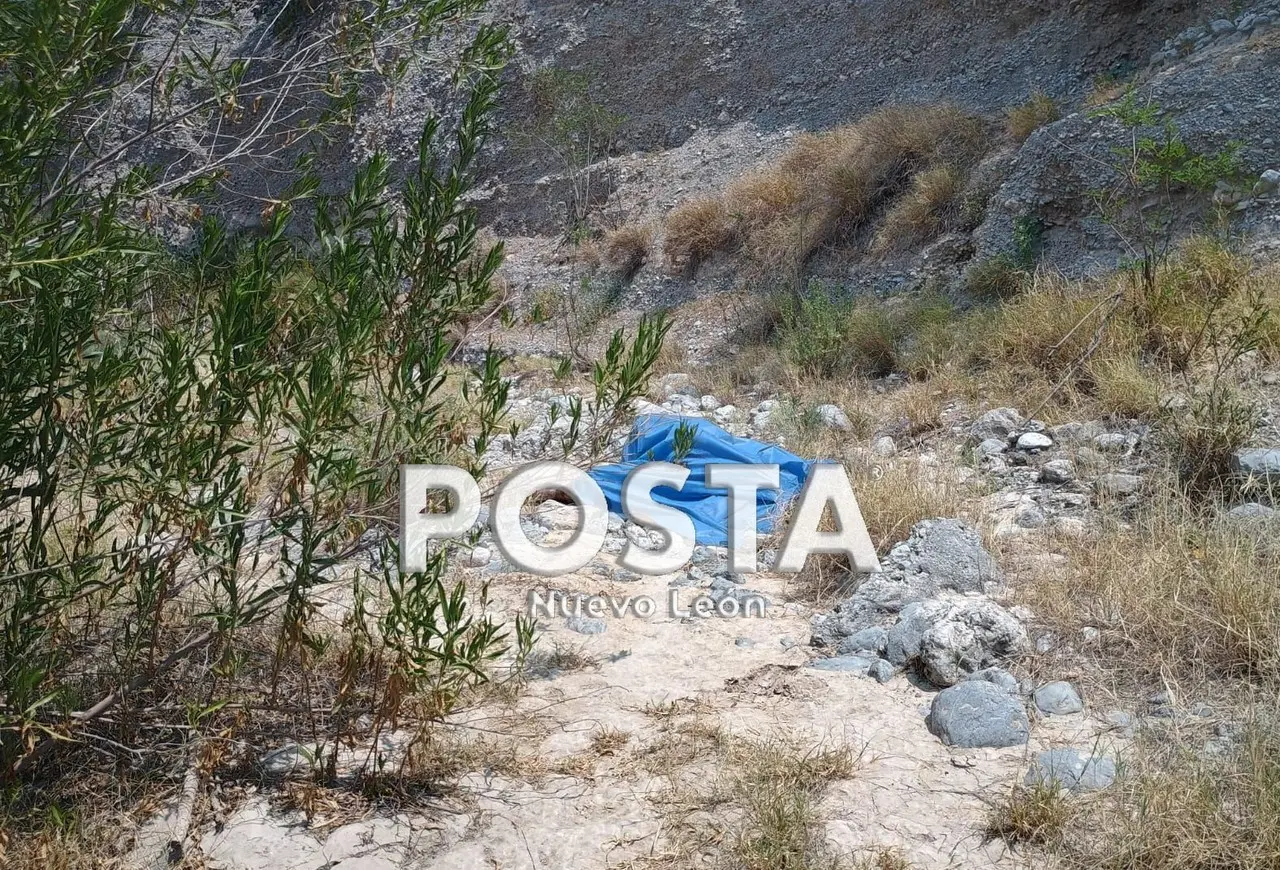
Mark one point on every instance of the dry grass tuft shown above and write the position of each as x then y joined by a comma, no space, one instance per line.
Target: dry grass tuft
885,858
922,212
1178,809
828,185
778,788
995,279
696,230
1029,814
624,250
749,804
894,495
1122,387
1035,113
1173,591
607,741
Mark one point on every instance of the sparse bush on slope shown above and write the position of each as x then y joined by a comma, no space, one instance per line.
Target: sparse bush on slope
831,183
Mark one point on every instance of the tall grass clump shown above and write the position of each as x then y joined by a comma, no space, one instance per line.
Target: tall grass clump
1038,111
1179,807
827,186
1199,596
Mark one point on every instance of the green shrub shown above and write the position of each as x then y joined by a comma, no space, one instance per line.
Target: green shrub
827,337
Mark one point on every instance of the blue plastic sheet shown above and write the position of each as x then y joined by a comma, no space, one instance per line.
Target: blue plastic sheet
653,440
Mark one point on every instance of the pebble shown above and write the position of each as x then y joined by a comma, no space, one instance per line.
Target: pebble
884,447
1057,471
833,418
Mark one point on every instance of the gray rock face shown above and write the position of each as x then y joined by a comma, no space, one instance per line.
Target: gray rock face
904,638
1058,699
1117,484
964,637
998,424
1068,769
1057,472
1260,464
978,714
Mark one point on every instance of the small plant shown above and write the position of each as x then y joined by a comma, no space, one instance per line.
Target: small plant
1038,111
579,131
624,250
682,441
995,278
1153,167
1030,814
1028,238
696,230
827,337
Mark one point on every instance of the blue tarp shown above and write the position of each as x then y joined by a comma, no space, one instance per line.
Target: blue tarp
653,440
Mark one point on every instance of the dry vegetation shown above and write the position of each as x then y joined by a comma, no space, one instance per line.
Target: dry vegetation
828,186
746,804
1183,598
1036,112
624,250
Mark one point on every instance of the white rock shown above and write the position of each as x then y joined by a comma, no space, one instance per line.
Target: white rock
726,414
709,403
834,418
1034,441
884,446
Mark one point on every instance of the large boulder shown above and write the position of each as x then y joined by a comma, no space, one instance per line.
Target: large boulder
951,639
963,637
978,714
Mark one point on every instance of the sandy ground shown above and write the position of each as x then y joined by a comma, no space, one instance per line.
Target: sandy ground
908,790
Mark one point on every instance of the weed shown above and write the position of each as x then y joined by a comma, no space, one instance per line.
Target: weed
1038,111
1030,814
995,278
625,249
696,230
